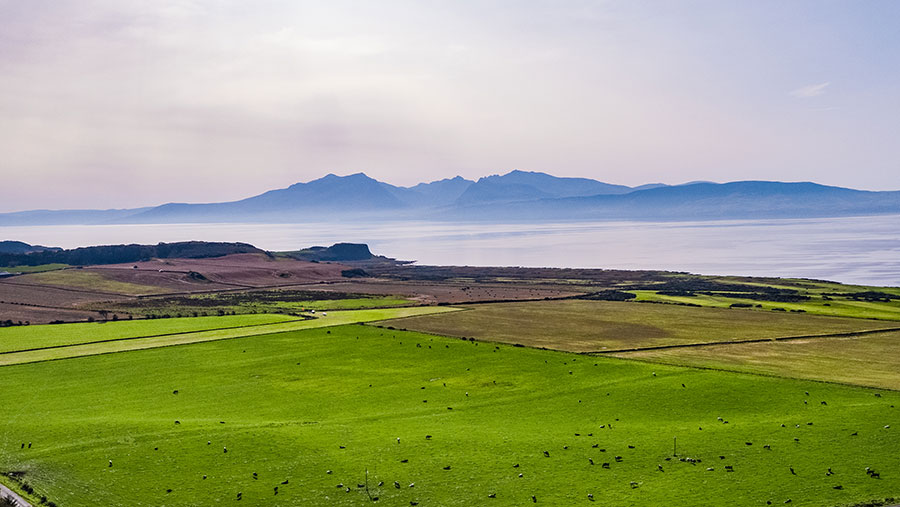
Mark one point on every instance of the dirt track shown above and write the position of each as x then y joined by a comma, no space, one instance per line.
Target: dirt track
20,502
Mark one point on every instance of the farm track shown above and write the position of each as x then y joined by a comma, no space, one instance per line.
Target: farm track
20,502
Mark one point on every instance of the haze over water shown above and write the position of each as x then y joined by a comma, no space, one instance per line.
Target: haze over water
864,250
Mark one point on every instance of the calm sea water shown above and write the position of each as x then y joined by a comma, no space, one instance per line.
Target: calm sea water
851,250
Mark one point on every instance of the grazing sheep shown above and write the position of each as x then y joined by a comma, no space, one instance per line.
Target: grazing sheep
533,499
447,467
521,475
110,463
328,472
492,495
546,454
591,461
591,497
660,468
633,484
605,465
224,450
792,471
276,490
396,484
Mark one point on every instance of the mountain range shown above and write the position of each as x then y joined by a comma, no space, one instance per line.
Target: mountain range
517,195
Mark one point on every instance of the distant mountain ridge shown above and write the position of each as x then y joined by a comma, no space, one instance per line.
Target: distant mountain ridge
517,195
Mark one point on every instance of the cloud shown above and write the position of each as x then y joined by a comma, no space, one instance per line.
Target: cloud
810,91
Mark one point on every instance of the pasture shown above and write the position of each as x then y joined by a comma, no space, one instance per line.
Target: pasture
309,412
593,326
871,360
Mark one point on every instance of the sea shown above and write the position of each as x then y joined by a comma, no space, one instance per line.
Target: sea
854,250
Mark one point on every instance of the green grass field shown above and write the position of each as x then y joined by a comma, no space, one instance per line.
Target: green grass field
34,337
841,307
294,406
34,269
585,326
208,304
872,360
71,340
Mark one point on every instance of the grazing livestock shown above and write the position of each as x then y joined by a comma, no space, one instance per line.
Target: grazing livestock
546,454
605,465
110,463
492,495
591,497
396,484
792,471
533,499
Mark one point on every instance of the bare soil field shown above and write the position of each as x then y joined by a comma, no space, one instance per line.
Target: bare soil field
12,291
230,271
41,315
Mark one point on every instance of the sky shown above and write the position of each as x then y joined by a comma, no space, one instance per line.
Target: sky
128,103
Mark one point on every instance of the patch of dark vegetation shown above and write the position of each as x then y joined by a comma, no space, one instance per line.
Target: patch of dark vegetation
405,271
762,296
354,273
865,296
609,295
741,305
19,247
117,254
696,284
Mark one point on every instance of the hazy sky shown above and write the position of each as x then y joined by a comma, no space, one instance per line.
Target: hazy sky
124,103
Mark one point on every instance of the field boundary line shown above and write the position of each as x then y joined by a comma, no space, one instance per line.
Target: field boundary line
51,347
848,334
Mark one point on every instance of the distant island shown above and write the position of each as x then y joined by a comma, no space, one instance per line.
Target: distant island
515,196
